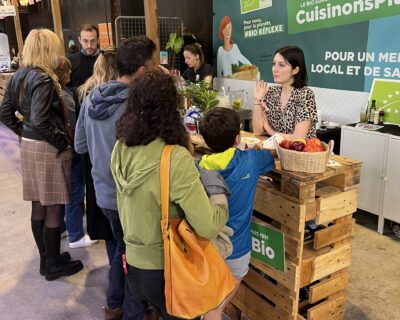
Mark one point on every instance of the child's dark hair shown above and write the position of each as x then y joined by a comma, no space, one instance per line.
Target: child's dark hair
219,128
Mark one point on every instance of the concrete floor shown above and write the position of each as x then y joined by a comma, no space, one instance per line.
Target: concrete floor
373,292
374,289
24,294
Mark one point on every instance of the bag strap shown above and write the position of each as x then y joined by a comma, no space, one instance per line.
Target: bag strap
164,182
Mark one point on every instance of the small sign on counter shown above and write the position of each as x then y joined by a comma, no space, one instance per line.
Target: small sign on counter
268,245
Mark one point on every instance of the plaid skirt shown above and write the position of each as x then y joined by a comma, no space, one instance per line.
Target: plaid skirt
45,177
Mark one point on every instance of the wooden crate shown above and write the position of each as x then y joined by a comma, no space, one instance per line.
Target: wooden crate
287,200
290,199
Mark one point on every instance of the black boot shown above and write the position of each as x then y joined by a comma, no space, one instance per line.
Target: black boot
64,258
55,268
37,230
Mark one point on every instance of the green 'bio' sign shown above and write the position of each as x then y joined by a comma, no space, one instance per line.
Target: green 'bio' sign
268,246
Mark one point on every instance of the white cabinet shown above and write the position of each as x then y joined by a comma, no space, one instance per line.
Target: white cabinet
369,148
391,195
380,173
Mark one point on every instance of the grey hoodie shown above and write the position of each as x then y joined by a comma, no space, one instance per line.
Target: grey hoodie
95,133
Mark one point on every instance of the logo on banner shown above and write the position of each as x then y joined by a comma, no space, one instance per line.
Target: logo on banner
387,95
253,5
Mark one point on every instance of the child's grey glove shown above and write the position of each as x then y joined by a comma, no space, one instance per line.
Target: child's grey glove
223,242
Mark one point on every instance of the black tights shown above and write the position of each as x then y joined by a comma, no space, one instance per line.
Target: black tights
51,215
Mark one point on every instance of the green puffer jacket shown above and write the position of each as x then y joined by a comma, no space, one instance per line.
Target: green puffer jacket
136,172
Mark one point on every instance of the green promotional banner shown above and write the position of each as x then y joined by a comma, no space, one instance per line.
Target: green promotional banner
318,14
347,44
268,245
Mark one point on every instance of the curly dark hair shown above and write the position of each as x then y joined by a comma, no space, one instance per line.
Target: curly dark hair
219,128
152,112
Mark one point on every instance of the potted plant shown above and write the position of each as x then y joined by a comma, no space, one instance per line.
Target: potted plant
173,46
204,97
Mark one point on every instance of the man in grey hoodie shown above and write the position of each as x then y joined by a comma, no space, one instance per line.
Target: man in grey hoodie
95,133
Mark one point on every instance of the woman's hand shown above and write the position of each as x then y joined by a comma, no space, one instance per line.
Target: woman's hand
260,90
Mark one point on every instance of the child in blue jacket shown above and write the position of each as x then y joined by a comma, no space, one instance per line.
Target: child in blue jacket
220,129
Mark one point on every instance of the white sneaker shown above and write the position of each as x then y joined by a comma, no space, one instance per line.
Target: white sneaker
82,243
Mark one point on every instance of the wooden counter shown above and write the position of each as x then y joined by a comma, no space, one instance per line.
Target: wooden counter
287,200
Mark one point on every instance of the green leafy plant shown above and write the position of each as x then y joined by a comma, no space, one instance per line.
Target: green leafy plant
204,97
235,68
173,46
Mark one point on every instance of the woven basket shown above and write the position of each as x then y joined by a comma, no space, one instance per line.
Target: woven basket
308,162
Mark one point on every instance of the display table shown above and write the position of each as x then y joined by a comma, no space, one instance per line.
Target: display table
4,78
287,200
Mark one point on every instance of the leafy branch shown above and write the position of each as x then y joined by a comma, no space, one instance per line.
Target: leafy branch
203,96
174,46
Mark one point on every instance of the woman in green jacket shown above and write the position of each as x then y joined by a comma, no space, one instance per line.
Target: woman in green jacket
151,121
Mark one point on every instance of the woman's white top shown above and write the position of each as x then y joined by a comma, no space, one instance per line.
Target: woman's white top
225,59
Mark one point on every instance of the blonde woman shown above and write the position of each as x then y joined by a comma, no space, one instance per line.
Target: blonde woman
45,147
104,70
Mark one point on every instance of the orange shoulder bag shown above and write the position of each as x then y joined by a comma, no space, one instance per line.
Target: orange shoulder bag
197,279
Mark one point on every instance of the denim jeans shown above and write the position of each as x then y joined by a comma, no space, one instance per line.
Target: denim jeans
111,246
149,285
74,210
133,307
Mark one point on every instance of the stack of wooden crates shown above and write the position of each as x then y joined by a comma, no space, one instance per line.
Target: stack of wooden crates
290,199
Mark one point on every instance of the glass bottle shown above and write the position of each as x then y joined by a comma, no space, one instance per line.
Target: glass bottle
372,111
376,117
381,115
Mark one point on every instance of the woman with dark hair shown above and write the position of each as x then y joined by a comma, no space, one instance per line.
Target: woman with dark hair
198,69
151,121
289,108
